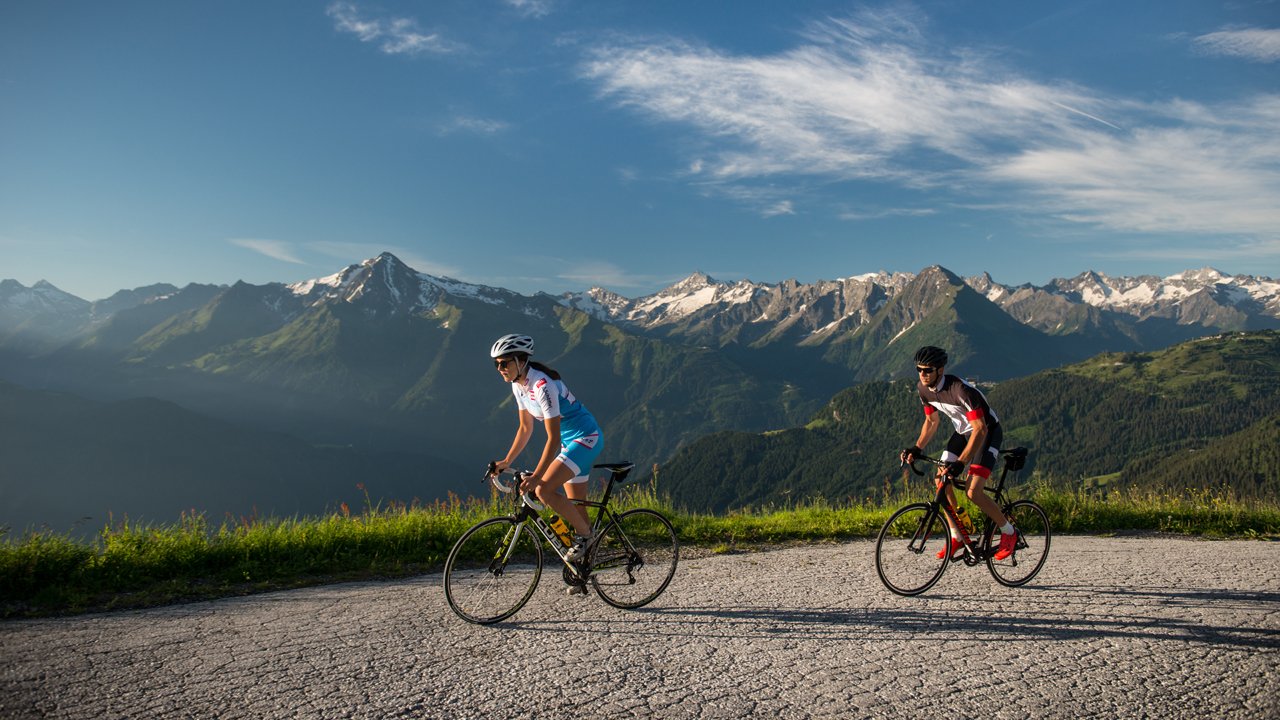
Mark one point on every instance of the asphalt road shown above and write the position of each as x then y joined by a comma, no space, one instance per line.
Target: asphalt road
1132,627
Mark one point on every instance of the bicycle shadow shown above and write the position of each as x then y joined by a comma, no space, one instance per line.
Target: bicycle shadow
923,624
1203,597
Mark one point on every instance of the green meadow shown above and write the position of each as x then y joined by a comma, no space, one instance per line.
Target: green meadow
129,565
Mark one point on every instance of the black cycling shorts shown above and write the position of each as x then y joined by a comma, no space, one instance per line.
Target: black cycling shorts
985,461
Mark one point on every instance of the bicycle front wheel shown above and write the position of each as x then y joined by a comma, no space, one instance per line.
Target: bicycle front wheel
907,549
1031,551
635,559
492,570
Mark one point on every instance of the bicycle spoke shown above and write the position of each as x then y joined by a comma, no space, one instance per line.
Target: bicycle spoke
634,559
1031,550
492,570
907,550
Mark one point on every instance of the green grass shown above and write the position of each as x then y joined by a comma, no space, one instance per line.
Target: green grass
129,566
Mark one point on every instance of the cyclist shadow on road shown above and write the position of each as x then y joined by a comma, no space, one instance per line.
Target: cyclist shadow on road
1197,597
848,624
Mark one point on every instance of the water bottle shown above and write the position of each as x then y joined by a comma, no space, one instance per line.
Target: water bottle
965,521
561,530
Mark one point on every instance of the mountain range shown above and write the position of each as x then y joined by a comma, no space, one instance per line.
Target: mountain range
1201,416
383,359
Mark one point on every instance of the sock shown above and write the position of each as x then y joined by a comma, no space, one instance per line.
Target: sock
1007,528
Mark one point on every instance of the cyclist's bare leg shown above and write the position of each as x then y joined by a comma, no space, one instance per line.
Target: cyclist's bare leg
951,490
983,500
576,491
555,478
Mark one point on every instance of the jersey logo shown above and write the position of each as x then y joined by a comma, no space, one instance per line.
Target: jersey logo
588,441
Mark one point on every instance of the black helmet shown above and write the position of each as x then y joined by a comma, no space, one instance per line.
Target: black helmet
931,356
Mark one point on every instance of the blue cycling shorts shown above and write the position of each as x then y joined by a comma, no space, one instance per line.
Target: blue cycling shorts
578,451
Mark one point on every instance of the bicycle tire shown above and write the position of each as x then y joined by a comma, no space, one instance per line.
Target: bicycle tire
491,572
635,559
1031,551
906,548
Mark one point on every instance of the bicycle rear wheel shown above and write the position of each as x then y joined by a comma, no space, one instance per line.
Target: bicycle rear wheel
492,570
1031,551
907,549
635,559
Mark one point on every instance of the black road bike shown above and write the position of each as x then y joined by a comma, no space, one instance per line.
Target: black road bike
908,548
493,569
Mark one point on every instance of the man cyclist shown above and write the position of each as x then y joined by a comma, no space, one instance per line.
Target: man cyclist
975,443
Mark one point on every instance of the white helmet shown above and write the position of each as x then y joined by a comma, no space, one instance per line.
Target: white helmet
513,343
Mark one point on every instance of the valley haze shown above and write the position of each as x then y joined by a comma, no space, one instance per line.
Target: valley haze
279,399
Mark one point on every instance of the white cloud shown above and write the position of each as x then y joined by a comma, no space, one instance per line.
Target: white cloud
870,98
600,273
1203,170
274,249
474,125
783,207
395,36
886,213
531,8
1256,44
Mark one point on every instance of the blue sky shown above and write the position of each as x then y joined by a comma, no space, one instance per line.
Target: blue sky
558,144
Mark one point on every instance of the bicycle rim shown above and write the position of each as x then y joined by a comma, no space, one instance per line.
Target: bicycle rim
492,571
1032,548
907,550
634,559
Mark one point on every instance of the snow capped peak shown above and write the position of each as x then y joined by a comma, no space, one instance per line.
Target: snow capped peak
386,283
692,284
380,283
43,297
1203,275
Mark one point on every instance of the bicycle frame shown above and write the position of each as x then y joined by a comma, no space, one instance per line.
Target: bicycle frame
941,505
527,514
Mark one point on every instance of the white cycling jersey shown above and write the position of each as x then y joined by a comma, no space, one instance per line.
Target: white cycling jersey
545,398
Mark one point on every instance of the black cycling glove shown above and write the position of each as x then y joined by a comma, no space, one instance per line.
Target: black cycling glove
908,456
954,469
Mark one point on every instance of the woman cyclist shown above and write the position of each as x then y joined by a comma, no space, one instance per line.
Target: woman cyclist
573,436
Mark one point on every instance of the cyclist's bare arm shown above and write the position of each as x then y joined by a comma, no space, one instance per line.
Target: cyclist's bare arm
976,438
930,426
522,438
551,449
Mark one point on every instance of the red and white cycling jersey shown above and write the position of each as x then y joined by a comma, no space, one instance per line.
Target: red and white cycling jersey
958,400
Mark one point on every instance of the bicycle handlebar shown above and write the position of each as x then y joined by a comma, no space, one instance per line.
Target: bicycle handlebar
494,476
925,458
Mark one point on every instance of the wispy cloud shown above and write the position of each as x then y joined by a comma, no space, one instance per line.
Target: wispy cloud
394,36
1192,169
607,275
880,213
783,207
1256,44
274,249
531,8
472,125
871,98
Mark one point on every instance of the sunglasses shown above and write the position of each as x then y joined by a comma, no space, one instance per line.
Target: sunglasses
501,364
926,370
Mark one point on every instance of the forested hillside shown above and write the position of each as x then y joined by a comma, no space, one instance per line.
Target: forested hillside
1202,414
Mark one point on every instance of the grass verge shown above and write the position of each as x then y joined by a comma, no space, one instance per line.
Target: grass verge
129,566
